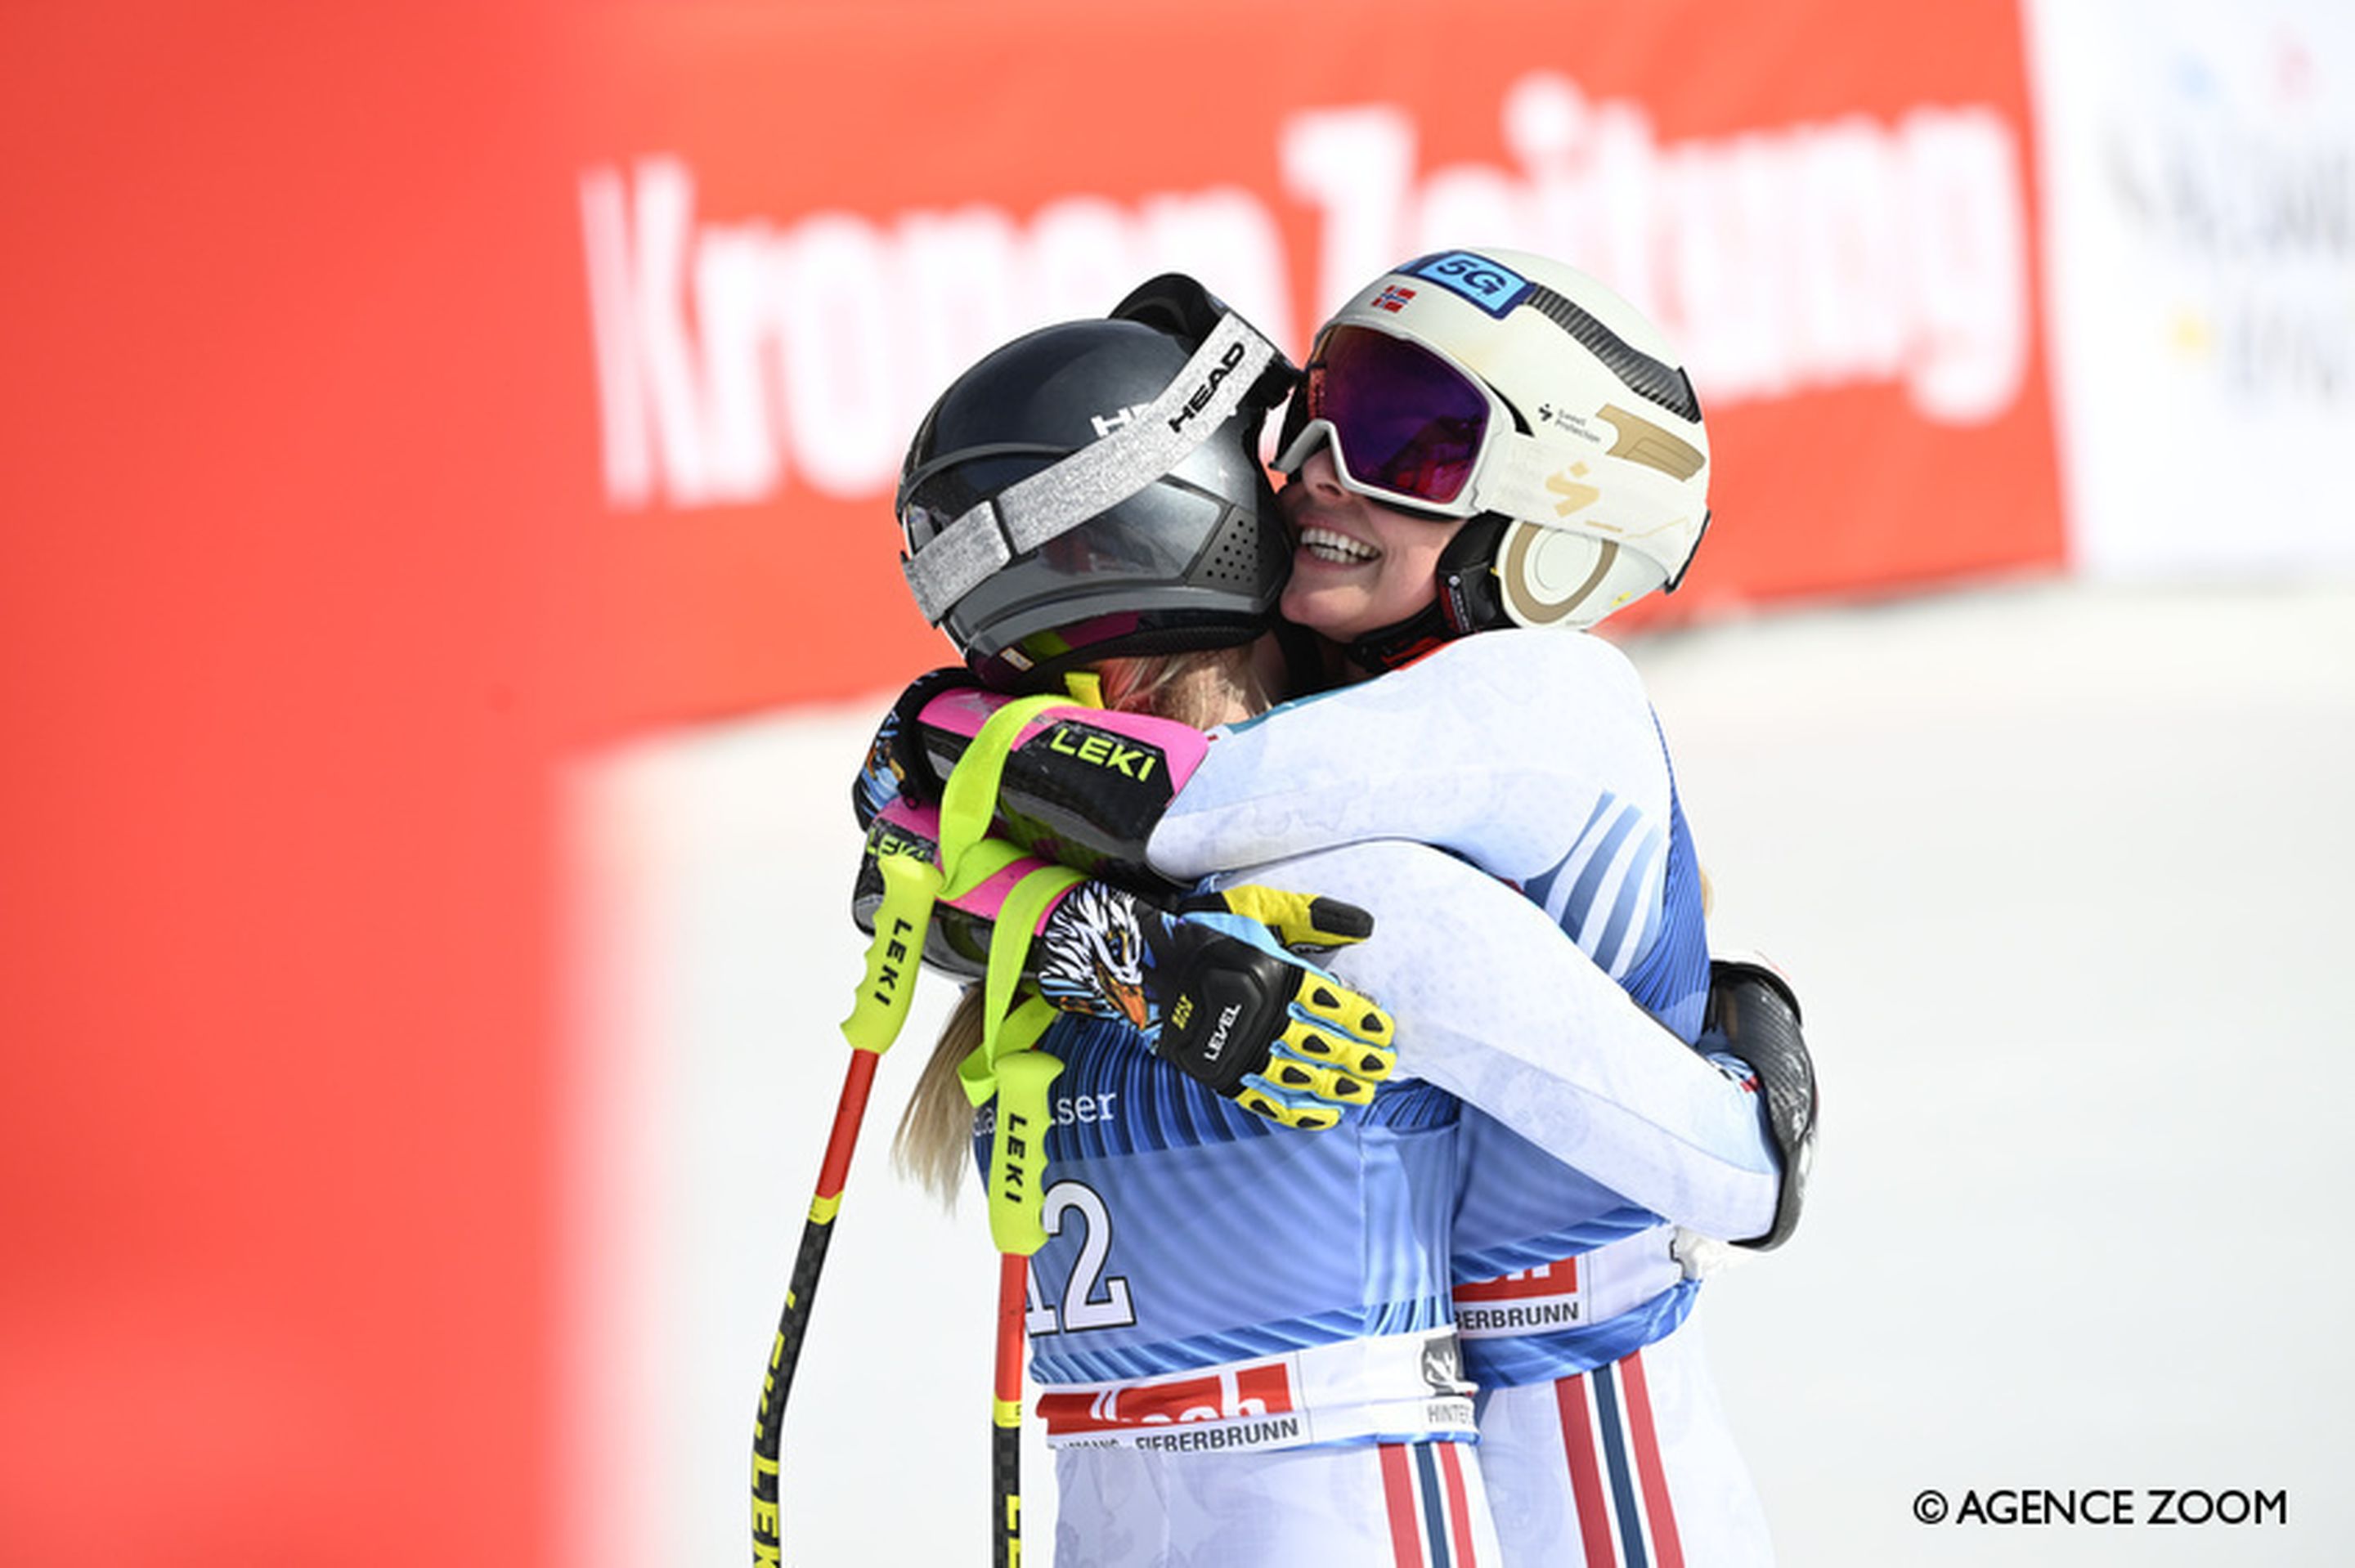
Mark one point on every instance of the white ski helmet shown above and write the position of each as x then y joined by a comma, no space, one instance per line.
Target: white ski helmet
1521,393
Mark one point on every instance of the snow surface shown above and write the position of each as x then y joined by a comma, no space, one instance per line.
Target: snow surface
2061,874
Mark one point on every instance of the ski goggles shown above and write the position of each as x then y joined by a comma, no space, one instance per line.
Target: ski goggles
1406,426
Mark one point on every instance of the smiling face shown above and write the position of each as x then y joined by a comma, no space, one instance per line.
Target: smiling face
1357,566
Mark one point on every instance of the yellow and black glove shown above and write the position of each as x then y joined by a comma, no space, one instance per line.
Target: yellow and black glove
1214,988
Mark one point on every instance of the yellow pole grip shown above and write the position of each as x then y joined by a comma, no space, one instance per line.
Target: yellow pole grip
910,884
1017,1151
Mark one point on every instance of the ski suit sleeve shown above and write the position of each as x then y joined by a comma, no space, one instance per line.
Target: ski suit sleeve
1497,1006
1083,786
1503,747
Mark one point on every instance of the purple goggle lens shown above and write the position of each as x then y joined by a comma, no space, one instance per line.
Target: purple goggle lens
1406,421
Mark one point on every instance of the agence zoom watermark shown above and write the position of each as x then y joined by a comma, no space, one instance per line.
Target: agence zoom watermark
2102,1506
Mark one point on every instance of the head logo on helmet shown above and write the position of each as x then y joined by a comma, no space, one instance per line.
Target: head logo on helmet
1559,420
1209,388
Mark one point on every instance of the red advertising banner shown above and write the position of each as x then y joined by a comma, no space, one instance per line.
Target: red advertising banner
1829,209
290,611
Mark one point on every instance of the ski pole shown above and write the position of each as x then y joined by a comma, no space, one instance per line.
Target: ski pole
909,885
785,1354
1006,1415
1020,1077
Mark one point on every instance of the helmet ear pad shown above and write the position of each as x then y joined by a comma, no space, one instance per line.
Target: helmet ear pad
1550,577
1547,575
1499,571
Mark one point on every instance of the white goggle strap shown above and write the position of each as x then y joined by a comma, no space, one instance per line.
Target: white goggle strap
1552,484
1523,477
1096,477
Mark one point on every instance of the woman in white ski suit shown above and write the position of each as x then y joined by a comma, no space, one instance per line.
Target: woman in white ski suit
1533,755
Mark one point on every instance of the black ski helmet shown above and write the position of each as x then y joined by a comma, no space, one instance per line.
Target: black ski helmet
1094,488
